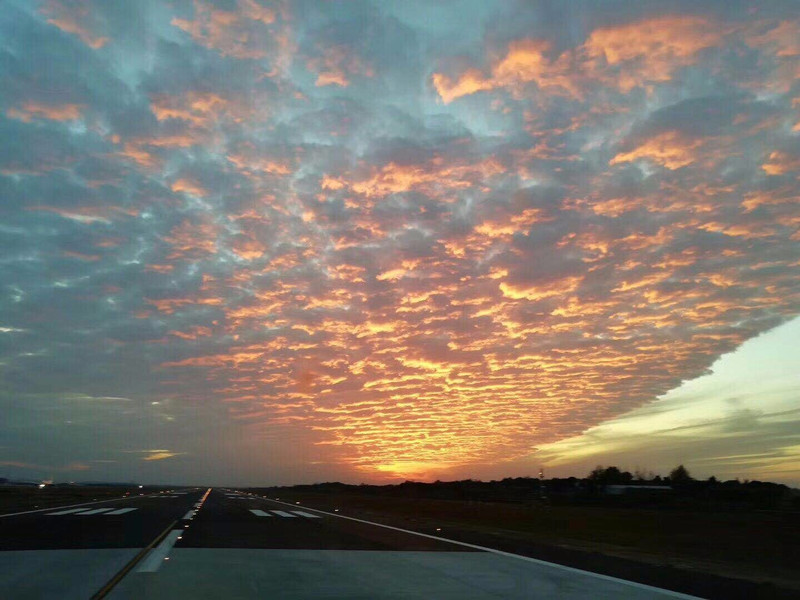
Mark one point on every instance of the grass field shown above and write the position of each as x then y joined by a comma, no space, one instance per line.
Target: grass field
22,498
760,546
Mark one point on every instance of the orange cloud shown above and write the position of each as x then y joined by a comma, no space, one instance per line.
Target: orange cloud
623,56
144,151
190,186
193,333
192,240
195,107
331,183
55,112
337,65
248,248
525,62
160,455
170,305
785,195
229,32
670,149
782,163
138,155
539,291
650,50
71,19
781,36
511,224
438,174
470,82
380,405
250,162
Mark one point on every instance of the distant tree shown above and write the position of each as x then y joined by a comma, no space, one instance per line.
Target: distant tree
612,476
680,476
597,473
609,476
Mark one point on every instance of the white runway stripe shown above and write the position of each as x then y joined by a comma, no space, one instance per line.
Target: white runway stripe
188,515
67,512
260,513
121,511
96,511
305,514
155,559
283,514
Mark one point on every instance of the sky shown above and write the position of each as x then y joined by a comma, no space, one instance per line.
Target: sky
739,421
249,242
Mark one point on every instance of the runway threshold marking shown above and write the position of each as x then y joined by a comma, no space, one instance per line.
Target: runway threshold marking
158,555
66,512
38,510
305,514
84,511
642,586
259,513
188,515
284,514
121,511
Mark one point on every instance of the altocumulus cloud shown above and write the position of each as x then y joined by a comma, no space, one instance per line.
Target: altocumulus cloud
398,249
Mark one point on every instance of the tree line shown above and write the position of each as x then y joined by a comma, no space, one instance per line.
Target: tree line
679,489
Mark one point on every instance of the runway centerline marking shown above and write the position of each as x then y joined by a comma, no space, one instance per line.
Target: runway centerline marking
157,555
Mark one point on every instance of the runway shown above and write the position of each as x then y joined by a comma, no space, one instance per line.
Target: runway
225,544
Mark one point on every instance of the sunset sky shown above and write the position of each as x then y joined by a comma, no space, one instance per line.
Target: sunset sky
245,242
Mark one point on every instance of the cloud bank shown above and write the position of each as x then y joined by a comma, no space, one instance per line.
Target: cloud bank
397,249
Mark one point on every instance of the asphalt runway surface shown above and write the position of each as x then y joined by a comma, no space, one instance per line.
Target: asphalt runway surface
220,543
